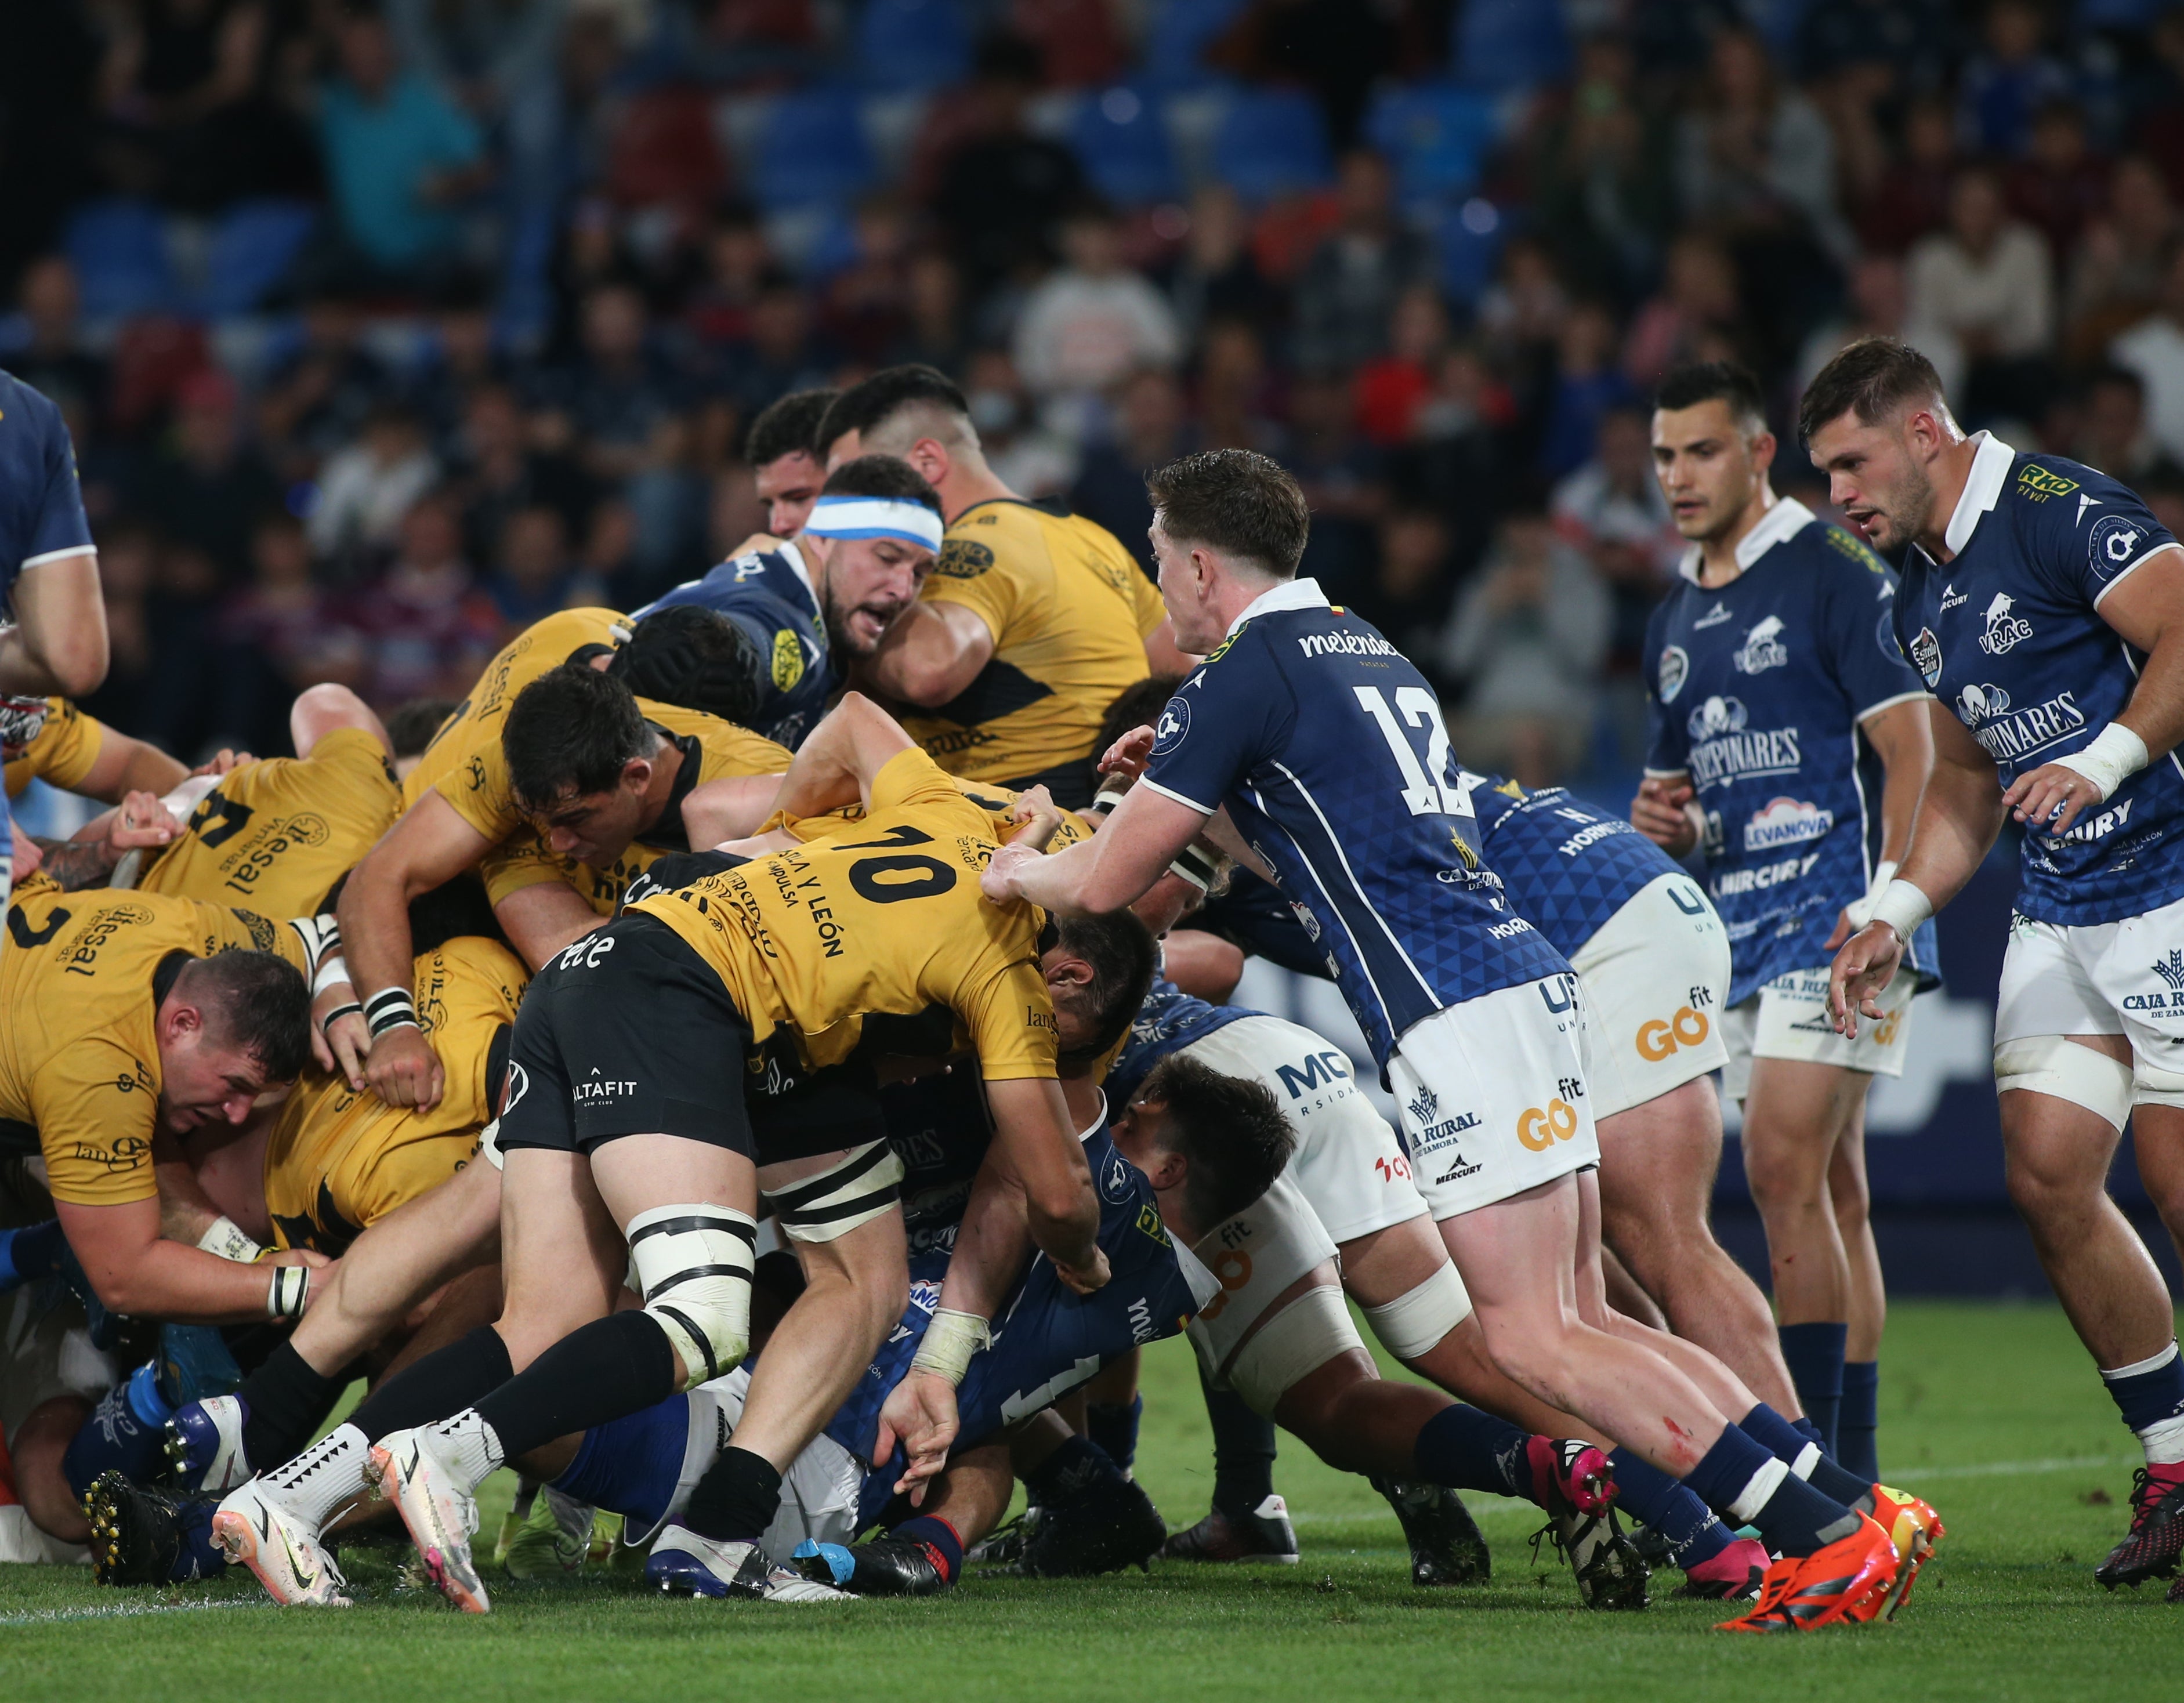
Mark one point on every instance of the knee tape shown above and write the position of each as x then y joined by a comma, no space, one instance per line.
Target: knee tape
864,1185
2154,1086
1413,1323
2052,1064
1301,1337
694,1265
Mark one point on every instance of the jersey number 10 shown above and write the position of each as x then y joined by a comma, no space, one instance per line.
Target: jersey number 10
1426,789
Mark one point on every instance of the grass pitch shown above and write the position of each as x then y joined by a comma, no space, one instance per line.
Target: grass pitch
1992,1412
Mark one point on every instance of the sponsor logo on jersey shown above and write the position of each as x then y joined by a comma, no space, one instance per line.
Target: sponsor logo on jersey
1174,722
1591,834
1675,670
599,1090
1763,648
2171,970
2100,826
1306,920
2005,631
2084,504
1540,1127
1727,751
2036,483
1716,716
748,567
1977,703
22,720
788,660
2008,737
1952,598
1713,617
1786,821
1732,881
960,558
1344,644
2115,543
1927,656
1319,1072
1664,1036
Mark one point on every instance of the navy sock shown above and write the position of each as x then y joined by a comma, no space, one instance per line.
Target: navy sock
940,1541
2150,1397
1067,1473
1790,1443
1114,1427
1743,1481
124,1434
437,1386
737,1498
1243,1451
284,1403
1858,1430
1466,1448
1686,1524
1814,1355
30,1253
608,1367
632,1465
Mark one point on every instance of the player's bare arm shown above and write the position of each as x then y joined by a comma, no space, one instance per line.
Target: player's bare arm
139,822
1663,812
930,655
1903,734
729,808
1114,868
1042,1162
135,1271
544,917
126,766
836,763
59,642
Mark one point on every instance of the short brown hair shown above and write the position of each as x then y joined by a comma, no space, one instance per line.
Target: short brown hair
1873,377
1229,1130
1241,502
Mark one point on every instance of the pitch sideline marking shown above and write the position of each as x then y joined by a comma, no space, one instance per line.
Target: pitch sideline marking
51,1616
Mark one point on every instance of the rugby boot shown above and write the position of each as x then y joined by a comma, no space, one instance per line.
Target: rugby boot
194,1363
688,1563
556,1538
253,1527
1735,1575
143,1536
518,1516
2150,1549
1004,1546
1845,1583
409,1470
1111,1524
1446,1546
1917,1532
204,1445
1574,1476
886,1566
1264,1535
1577,1488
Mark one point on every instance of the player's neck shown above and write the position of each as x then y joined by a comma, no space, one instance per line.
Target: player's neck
1951,472
966,486
667,766
1718,562
1085,1100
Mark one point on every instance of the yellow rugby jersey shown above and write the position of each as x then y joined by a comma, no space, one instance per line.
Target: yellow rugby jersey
78,1052
277,835
889,919
61,753
463,763
712,750
338,1162
998,803
1070,611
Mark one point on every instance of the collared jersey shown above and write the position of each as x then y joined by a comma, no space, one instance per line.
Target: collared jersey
277,835
42,518
1070,610
338,1162
1328,747
60,752
463,763
711,750
79,1049
1169,1020
1755,690
1566,865
891,920
2009,636
768,594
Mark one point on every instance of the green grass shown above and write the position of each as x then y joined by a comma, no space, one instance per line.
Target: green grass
1992,1411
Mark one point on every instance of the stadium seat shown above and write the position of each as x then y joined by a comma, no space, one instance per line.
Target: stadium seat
812,149
912,44
1437,136
1505,44
251,248
664,150
119,249
1270,142
1118,136
1468,240
1177,36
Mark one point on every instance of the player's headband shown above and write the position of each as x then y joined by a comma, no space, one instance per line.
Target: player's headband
875,517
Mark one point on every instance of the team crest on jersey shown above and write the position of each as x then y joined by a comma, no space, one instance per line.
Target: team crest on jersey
1975,704
2005,631
2115,543
1763,648
1115,1178
788,660
1174,722
22,720
1715,717
1306,920
1424,1106
1927,656
1675,670
962,560
1787,822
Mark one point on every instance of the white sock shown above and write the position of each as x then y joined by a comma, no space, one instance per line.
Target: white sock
322,1480
2164,1443
468,1446
1755,1495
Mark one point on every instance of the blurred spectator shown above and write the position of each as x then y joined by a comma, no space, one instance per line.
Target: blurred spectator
2117,270
1601,193
620,387
1911,197
933,336
1879,306
1752,152
2157,129
463,356
1091,321
1528,640
1698,299
1393,390
1524,305
1985,280
44,346
205,486
488,54
1348,289
1111,484
1025,456
782,351
1235,395
2010,81
368,488
1458,463
1344,478
737,261
1408,593
424,630
500,474
997,184
276,637
1080,41
1587,383
128,559
2153,348
536,576
865,301
2061,183
1912,39
1613,510
1217,277
2112,435
317,398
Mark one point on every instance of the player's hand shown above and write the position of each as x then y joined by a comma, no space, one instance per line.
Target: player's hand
920,1414
344,1044
223,762
297,1256
1041,818
1865,965
403,1070
24,854
1662,813
1003,881
2052,797
141,822
1086,1276
1129,754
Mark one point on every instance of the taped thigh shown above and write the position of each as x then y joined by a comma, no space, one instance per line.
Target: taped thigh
2057,1065
2151,1085
866,1183
1414,1322
693,1267
1305,1335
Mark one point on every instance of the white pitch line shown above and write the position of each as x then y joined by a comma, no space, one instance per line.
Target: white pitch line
50,1617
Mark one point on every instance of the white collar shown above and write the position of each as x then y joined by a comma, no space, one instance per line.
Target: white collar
1287,595
797,566
1784,518
1982,489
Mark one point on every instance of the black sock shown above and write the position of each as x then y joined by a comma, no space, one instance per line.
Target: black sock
286,1402
1466,1447
1067,1473
437,1386
612,1367
737,1499
1243,1451
1114,1427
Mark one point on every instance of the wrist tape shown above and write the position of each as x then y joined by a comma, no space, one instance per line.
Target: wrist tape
949,1342
1903,907
389,1009
2116,754
226,1238
285,1299
332,971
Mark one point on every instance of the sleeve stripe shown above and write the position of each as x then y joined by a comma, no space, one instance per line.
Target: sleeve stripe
2171,545
1170,793
1873,709
60,556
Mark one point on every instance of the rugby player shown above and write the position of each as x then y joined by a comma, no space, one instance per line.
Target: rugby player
50,739
1032,620
825,592
1302,717
1789,742
2043,604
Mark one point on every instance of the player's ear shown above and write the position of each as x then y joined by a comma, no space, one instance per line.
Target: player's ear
637,774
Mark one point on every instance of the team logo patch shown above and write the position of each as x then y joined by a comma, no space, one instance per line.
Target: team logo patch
1715,717
22,720
1423,1105
1927,656
1763,648
2115,543
1174,722
1787,822
2171,970
2005,631
1115,1179
1975,704
788,660
1675,668
519,1084
962,560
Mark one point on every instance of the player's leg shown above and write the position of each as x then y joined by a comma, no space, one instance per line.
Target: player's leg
1112,1409
2160,1157
42,1481
321,709
1858,1421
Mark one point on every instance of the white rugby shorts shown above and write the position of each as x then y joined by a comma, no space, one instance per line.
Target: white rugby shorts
2103,978
1655,976
1788,1019
1243,1342
1493,1094
1348,1162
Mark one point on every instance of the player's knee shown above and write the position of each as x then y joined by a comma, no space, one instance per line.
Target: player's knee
693,1263
1412,1325
862,1187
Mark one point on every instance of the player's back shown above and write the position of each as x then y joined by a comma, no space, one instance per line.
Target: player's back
1566,865
1070,610
768,593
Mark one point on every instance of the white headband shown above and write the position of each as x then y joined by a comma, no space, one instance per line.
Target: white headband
875,517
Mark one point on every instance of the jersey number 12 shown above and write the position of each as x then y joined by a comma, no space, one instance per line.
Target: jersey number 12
1426,789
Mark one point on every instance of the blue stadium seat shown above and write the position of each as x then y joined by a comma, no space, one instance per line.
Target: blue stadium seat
1119,139
252,247
1436,136
1270,141
1506,44
119,249
1467,241
912,44
1177,35
811,148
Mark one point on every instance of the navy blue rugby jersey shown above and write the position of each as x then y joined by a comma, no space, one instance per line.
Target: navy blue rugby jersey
2008,635
1169,1020
1755,690
1328,747
1567,867
41,515
769,595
